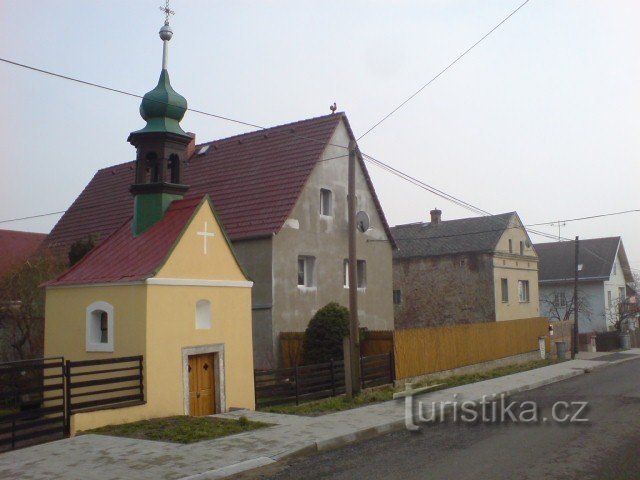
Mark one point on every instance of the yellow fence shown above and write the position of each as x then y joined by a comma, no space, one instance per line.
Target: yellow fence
420,351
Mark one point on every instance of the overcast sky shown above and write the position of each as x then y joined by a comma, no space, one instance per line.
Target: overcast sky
541,118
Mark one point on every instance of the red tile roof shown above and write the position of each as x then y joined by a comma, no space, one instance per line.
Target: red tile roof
125,258
254,180
16,247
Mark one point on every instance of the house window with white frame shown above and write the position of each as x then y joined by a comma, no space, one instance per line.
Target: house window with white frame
609,301
326,202
523,291
622,294
306,267
361,273
99,327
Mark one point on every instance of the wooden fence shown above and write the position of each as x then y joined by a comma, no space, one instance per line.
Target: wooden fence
103,383
420,351
372,342
312,382
32,407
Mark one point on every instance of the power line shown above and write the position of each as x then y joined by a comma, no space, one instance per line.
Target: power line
371,159
586,218
458,58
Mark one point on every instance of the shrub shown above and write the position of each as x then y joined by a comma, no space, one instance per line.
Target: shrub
323,337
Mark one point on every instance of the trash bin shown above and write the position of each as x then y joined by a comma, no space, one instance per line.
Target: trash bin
561,350
625,341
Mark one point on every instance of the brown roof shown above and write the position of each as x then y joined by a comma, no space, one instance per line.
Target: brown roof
254,180
16,247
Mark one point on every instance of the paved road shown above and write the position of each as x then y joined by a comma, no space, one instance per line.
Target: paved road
607,447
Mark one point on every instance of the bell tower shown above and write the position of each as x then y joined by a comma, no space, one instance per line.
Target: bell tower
161,146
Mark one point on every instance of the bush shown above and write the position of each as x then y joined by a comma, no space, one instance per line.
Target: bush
323,337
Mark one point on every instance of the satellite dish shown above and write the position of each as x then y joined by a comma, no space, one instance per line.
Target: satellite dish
527,242
362,221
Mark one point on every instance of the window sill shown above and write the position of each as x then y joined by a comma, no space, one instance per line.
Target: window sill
322,215
99,347
360,289
305,288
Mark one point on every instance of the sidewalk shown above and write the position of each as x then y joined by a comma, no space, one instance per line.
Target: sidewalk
101,457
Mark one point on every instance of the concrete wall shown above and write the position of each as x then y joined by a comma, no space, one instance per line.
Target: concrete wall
306,232
256,258
444,290
515,267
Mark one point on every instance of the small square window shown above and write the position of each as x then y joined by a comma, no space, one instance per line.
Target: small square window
306,266
397,297
326,202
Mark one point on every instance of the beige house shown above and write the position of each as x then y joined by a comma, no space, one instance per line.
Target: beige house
464,271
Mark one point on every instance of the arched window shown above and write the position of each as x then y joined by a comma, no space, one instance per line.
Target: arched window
203,315
99,325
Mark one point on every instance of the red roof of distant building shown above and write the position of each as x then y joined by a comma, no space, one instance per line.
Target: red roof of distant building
254,180
125,258
16,247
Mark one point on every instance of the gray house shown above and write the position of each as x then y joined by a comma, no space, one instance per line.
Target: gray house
281,194
603,276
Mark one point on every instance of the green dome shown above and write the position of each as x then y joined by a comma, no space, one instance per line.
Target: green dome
163,108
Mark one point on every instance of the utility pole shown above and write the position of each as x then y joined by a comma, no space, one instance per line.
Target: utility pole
354,326
574,350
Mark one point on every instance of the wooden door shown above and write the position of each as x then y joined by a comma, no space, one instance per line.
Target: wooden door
202,397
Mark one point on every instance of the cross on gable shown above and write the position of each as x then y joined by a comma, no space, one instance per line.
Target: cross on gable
206,234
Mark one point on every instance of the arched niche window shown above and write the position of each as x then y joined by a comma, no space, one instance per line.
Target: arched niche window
99,325
203,315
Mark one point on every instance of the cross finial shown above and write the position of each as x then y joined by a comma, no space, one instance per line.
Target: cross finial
167,11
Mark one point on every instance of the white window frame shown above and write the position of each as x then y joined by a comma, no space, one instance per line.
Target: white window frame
92,327
328,211
524,294
308,271
204,314
361,278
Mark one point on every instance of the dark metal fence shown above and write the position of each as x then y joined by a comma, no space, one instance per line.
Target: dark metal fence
98,384
312,382
607,341
32,403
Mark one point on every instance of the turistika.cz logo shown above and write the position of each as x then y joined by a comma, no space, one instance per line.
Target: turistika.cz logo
491,409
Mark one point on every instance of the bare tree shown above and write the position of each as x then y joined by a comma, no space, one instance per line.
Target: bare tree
620,313
22,307
559,307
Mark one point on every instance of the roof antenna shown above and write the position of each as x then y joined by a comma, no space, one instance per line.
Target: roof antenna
166,33
333,107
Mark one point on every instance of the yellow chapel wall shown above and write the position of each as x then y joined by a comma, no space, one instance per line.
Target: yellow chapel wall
172,320
65,320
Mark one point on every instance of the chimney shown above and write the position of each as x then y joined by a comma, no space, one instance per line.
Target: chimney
436,216
191,147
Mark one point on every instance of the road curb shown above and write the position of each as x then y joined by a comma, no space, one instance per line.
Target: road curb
372,432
